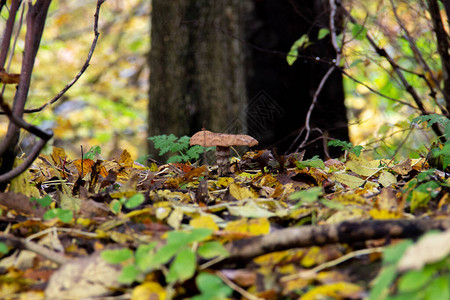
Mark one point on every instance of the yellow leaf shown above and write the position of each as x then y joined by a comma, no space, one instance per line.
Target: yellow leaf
223,182
175,218
258,226
313,257
22,184
125,159
204,222
240,193
148,290
386,179
362,166
383,214
338,290
345,215
352,182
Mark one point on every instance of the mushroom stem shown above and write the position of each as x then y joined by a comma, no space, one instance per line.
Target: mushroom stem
223,160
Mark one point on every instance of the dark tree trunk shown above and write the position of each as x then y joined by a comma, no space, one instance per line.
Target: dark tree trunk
199,77
280,95
197,70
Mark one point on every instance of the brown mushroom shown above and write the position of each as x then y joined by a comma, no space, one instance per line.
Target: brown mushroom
223,142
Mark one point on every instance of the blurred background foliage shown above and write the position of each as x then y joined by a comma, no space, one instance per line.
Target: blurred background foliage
107,106
380,124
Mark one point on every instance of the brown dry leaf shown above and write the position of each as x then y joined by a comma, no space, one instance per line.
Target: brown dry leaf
403,168
387,200
197,172
243,277
6,78
58,156
84,166
125,159
83,278
20,204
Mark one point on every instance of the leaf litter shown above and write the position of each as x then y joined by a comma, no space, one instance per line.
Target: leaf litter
275,227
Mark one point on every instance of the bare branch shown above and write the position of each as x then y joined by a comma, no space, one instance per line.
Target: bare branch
325,77
419,58
6,39
6,177
83,68
381,52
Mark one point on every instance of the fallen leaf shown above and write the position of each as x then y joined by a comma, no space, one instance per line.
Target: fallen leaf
430,248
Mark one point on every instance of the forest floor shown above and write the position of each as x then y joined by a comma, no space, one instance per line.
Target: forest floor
274,228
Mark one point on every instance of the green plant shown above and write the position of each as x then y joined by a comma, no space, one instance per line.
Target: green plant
178,147
346,146
44,201
439,155
314,162
429,282
179,251
130,203
93,152
64,215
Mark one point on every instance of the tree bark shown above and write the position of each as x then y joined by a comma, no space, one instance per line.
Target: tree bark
197,69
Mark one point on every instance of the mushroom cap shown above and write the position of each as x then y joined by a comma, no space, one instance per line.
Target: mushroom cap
207,138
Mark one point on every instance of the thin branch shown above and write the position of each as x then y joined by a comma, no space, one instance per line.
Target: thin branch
22,124
419,58
381,52
376,92
325,77
25,164
83,68
20,243
7,33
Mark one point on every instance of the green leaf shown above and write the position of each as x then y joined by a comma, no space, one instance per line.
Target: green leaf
357,150
3,248
309,195
323,32
212,249
115,206
128,275
44,201
314,162
183,267
382,283
144,256
293,53
95,150
439,288
64,215
211,287
359,32
135,201
393,254
165,253
414,280
116,256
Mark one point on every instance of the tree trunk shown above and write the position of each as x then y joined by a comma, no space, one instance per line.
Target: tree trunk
197,69
199,77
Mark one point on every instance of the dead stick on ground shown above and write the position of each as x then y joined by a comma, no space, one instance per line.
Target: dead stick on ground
346,232
20,243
